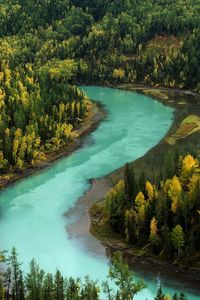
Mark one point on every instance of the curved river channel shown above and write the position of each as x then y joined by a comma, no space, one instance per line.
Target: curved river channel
31,210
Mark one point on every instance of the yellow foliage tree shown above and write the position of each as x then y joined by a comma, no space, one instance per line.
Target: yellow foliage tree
193,186
167,297
153,237
139,200
140,211
188,166
16,143
174,193
3,161
118,73
153,227
150,190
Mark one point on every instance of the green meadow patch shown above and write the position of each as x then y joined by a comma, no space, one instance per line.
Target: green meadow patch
188,126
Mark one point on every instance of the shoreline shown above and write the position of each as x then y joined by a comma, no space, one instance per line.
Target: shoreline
90,124
82,227
85,204
142,86
142,263
96,114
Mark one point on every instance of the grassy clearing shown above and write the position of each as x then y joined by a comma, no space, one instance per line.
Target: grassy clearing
156,94
164,43
188,126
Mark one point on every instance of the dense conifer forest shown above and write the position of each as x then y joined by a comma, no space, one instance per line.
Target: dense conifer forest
37,114
164,217
150,41
39,285
47,46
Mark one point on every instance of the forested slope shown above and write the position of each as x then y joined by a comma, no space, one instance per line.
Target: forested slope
162,219
38,112
106,35
48,46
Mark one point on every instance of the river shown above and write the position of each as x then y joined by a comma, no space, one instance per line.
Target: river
31,210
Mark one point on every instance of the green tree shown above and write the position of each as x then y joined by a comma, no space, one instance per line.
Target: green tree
130,184
48,287
160,295
2,289
90,290
59,286
17,287
177,237
34,281
123,277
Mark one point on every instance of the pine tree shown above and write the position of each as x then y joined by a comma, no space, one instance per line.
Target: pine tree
182,297
177,237
48,287
123,277
175,296
34,281
142,182
2,290
160,295
16,276
89,291
58,286
8,282
130,185
167,251
72,289
21,286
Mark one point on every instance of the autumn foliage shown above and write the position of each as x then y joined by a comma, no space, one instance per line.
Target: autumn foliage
165,217
38,112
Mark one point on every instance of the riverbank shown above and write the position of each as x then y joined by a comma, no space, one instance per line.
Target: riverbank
184,104
142,261
95,115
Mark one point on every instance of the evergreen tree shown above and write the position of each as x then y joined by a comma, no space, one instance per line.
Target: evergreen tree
160,295
34,281
130,185
59,286
2,290
16,277
177,237
142,182
48,288
175,296
123,277
182,297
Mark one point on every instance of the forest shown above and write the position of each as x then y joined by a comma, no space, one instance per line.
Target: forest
37,115
154,42
48,47
39,285
163,218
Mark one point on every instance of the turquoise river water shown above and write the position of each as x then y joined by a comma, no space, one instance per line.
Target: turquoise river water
31,210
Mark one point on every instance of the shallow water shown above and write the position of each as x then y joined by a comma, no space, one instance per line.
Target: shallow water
32,209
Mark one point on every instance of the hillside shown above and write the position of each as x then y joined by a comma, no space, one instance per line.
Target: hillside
108,41
48,49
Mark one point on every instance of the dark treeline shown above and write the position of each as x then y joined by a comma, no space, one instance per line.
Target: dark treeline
164,218
38,285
